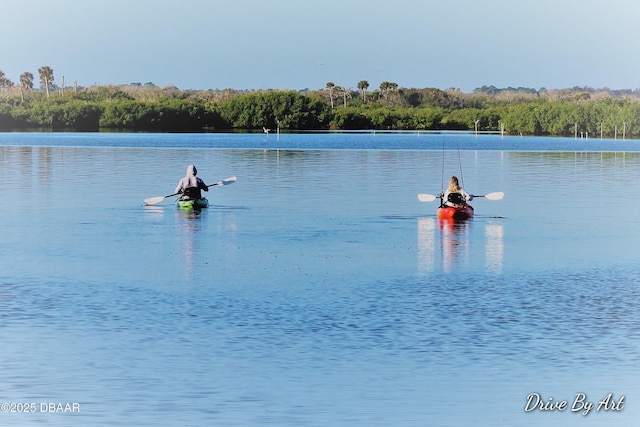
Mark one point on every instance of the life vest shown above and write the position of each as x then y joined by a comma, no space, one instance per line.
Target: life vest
192,193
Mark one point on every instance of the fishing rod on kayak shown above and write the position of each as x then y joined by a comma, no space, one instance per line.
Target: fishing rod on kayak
154,200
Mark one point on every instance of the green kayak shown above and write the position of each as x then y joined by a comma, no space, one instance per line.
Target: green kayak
193,203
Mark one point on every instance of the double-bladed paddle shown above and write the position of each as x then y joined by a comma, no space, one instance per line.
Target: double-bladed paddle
498,195
154,200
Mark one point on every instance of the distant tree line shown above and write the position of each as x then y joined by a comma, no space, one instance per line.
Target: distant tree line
146,107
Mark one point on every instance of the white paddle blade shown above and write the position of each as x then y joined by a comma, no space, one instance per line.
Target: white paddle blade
229,180
498,195
426,197
153,200
226,181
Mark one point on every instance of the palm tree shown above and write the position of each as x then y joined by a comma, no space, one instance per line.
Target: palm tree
26,82
362,87
384,87
346,93
392,87
330,86
46,77
4,82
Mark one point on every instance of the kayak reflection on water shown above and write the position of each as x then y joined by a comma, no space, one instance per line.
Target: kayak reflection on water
454,243
449,245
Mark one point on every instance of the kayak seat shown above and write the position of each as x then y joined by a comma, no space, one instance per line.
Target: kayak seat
456,199
191,193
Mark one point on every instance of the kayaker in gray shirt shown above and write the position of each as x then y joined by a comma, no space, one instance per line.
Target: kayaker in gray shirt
191,185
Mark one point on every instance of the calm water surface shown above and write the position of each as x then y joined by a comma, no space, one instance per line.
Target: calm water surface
317,290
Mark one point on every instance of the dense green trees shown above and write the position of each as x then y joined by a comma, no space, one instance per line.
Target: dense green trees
137,107
609,117
165,115
284,109
386,118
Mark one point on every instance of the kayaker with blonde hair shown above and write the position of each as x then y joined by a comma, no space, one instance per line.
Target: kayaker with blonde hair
190,185
455,195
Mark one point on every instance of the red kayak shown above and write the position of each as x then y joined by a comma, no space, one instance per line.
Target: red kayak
462,212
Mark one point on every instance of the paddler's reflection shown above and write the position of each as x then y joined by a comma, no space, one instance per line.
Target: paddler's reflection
190,214
454,241
447,238
196,229
449,242
189,222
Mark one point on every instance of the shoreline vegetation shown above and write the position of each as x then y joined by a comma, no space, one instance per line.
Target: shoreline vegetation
577,111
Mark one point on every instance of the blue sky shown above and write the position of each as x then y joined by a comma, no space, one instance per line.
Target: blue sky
298,44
